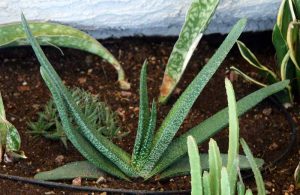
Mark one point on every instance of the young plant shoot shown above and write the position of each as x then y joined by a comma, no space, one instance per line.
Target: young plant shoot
155,150
223,179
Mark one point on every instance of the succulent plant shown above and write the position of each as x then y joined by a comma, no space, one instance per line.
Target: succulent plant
155,151
98,113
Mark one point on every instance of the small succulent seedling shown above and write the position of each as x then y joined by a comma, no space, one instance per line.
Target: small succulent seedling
286,40
59,35
154,151
10,140
196,21
100,117
221,179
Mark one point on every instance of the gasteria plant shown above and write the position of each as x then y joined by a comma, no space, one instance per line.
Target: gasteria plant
286,40
222,179
153,151
10,140
59,35
196,21
100,117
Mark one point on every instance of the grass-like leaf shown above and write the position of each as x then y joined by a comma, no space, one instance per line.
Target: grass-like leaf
65,104
177,149
196,171
225,184
258,178
62,36
197,19
183,105
233,147
215,166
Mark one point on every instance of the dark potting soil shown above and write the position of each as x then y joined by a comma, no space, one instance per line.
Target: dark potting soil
24,92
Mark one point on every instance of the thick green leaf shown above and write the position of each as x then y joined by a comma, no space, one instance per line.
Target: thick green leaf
206,184
284,17
248,192
233,146
241,188
225,184
182,167
297,8
143,116
181,108
59,35
258,178
215,166
293,41
196,171
72,170
13,139
65,104
177,149
197,19
81,143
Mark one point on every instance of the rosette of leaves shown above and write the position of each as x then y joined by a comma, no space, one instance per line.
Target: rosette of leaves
223,179
99,116
156,150
286,41
10,140
58,35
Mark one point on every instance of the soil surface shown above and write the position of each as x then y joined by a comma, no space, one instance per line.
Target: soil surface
24,92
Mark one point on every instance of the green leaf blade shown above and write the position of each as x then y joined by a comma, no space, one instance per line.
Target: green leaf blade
211,126
83,169
196,171
197,19
62,36
174,119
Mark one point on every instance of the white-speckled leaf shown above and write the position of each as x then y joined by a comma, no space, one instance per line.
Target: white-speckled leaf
12,34
13,139
72,170
197,19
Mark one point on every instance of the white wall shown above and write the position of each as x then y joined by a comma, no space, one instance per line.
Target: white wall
106,18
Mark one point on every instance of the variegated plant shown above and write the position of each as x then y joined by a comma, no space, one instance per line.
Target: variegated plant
196,21
155,152
10,140
286,40
59,35
222,179
100,116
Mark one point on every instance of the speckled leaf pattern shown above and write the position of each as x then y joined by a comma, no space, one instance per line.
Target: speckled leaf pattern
197,19
59,35
180,109
66,105
143,116
83,169
177,149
